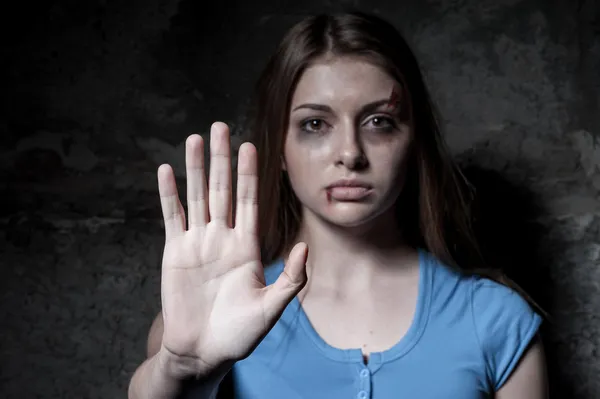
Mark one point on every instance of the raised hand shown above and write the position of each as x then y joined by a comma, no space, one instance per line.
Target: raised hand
215,304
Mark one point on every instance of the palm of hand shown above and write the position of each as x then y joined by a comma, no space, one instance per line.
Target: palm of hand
216,306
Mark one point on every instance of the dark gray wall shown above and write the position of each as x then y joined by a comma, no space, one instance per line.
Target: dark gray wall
99,93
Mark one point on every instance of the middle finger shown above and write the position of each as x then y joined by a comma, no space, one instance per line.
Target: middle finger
219,183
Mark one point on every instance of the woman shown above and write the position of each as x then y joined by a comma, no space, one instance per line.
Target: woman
352,166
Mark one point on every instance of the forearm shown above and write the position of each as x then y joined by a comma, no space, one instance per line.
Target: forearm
162,378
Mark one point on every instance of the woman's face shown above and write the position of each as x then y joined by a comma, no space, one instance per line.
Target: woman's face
347,142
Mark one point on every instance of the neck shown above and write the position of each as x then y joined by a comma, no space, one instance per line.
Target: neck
352,256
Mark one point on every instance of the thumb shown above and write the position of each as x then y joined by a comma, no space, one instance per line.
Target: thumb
288,285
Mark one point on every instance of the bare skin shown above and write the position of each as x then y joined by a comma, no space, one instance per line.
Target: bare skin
356,244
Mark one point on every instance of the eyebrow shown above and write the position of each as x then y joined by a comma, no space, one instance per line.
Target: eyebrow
370,107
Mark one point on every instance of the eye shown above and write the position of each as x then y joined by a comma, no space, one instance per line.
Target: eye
383,123
312,125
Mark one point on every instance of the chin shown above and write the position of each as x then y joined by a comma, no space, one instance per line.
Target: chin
351,215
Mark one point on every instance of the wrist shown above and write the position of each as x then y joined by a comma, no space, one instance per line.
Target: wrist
173,366
183,368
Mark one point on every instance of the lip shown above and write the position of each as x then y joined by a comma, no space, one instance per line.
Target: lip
350,183
348,190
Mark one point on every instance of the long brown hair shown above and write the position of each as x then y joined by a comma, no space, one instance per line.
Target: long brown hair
434,206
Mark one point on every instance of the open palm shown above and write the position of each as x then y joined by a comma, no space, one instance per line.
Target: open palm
215,304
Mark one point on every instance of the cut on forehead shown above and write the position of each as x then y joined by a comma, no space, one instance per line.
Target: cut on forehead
394,99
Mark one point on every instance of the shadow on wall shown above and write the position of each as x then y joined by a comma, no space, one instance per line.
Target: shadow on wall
508,227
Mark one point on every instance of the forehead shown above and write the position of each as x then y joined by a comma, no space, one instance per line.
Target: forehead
342,79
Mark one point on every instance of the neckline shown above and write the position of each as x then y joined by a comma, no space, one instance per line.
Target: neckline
401,348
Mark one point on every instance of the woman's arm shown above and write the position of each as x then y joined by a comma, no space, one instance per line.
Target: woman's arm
163,377
529,380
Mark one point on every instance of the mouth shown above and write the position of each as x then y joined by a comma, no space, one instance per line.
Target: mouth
349,190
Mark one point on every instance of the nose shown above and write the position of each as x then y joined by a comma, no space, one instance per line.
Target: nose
351,151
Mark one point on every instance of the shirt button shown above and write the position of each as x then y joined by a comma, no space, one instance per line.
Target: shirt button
364,373
362,395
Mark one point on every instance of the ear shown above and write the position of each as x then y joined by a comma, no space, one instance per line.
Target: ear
283,165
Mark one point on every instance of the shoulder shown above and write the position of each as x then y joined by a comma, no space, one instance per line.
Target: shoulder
505,325
495,304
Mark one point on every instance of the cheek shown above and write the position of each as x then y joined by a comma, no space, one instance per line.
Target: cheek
393,157
306,153
305,161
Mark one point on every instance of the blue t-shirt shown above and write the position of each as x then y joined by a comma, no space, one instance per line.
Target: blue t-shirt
467,336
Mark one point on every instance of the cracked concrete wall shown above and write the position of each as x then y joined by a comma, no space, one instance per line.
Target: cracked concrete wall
99,93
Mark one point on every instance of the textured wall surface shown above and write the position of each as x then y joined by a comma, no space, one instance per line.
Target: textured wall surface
99,93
